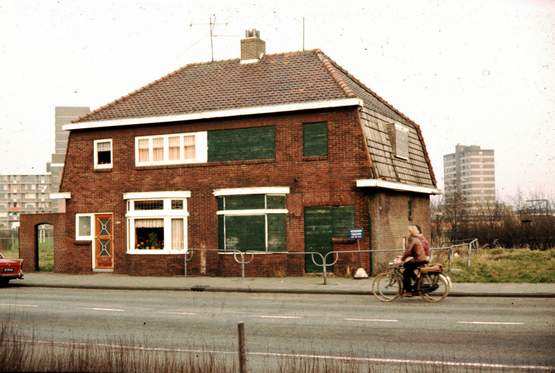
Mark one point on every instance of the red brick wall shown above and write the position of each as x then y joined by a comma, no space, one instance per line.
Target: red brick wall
28,239
320,182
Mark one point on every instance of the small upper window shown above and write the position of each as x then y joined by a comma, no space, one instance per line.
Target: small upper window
315,139
103,154
400,140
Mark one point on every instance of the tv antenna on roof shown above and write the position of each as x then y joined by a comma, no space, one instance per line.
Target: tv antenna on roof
212,24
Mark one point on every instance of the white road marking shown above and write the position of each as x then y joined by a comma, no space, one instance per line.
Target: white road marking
307,356
18,305
490,323
177,313
278,317
106,309
372,320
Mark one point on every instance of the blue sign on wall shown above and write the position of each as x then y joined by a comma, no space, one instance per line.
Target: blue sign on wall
356,234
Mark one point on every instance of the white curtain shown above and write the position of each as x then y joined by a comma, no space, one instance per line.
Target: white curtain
149,223
143,150
177,234
158,148
174,148
103,146
189,147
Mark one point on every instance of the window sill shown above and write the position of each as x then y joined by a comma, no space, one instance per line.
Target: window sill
315,158
82,242
102,170
205,164
252,252
156,252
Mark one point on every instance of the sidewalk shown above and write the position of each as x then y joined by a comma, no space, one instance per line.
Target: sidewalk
292,285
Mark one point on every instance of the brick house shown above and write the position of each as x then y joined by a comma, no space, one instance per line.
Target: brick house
276,153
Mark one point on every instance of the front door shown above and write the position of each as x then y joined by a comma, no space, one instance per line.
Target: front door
318,230
320,225
103,242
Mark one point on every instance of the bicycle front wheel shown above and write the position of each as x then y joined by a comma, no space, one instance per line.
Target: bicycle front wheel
433,287
387,286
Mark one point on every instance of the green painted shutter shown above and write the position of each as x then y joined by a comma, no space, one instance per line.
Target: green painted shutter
343,220
277,232
245,233
242,144
275,202
315,139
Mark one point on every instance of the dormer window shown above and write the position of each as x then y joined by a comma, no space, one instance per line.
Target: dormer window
103,154
399,135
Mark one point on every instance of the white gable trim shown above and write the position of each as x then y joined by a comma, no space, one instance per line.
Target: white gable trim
64,195
254,190
378,183
146,195
216,114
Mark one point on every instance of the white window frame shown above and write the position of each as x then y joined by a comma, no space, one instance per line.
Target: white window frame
201,149
282,191
95,155
79,237
166,214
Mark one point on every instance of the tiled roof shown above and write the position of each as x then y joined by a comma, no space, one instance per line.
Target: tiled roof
277,79
285,78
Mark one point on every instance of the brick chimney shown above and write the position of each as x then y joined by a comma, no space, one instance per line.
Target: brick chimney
252,47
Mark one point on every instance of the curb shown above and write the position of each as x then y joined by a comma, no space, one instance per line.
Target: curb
208,288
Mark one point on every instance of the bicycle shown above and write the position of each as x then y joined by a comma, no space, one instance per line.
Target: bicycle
431,283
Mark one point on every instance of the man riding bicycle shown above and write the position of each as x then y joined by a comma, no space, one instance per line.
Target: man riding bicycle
414,249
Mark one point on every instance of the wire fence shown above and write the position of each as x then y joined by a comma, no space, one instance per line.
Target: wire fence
322,259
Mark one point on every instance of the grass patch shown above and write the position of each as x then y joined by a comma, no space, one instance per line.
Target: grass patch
507,265
46,255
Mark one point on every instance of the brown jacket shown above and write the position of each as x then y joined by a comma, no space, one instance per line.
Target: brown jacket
415,249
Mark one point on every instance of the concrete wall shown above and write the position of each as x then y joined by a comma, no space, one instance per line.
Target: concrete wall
389,220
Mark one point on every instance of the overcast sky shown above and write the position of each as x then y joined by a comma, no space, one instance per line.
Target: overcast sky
469,72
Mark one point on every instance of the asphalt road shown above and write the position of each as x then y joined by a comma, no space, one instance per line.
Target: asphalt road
478,332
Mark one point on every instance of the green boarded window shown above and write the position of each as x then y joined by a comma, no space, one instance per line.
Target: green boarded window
275,202
242,144
315,139
277,233
244,202
245,233
343,218
262,230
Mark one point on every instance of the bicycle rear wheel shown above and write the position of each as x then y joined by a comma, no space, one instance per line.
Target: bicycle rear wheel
433,287
387,286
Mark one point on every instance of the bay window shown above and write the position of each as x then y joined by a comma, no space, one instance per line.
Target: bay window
157,222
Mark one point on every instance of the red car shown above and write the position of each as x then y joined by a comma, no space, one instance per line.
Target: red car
10,269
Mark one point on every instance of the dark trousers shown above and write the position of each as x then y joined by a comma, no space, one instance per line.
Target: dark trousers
408,274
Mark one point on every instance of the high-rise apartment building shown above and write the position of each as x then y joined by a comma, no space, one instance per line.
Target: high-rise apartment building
63,115
25,194
29,194
469,177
